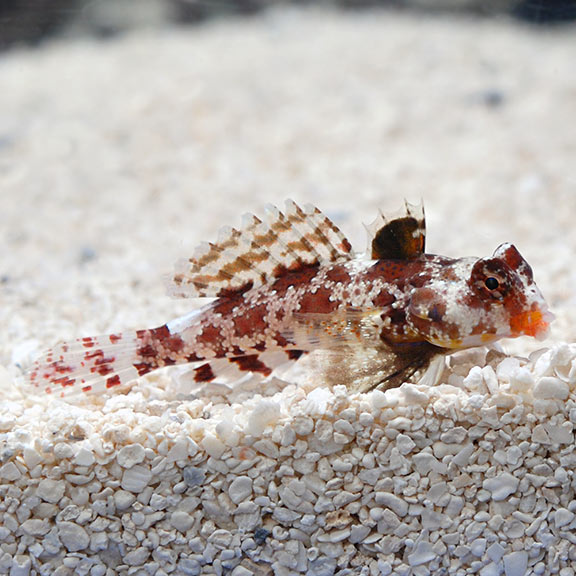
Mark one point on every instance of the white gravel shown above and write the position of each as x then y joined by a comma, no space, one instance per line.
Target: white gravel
117,158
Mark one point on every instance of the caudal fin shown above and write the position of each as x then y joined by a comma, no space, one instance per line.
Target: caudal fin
90,365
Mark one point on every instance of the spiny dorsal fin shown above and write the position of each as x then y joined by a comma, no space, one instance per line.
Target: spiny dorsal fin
260,252
401,238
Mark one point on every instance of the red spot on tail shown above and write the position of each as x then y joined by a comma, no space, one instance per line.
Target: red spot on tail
113,381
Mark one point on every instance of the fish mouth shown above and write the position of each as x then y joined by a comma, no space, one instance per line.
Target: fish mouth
535,323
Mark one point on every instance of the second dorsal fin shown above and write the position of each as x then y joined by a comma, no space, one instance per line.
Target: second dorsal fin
401,238
260,252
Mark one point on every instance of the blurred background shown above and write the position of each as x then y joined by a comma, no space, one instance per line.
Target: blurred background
132,130
31,21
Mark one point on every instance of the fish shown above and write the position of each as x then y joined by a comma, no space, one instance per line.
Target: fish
290,284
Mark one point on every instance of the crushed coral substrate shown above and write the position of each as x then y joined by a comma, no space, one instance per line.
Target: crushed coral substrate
471,476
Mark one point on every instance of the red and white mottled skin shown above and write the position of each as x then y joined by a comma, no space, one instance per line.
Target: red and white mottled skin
407,307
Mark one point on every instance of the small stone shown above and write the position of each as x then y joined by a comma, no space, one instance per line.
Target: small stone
35,527
20,565
241,571
421,554
136,557
414,396
405,444
214,446
395,503
513,455
135,479
358,533
130,455
491,569
194,476
50,490
501,486
10,472
495,552
267,447
84,457
123,500
551,388
456,435
303,425
31,457
516,563
266,413
563,517
478,546
72,536
182,521
240,489
490,379
540,436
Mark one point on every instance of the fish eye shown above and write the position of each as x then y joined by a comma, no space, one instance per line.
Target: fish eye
492,283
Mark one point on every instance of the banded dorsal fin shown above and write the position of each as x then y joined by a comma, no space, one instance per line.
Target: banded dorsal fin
260,252
401,238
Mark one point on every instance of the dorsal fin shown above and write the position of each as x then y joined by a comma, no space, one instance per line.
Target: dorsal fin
402,238
260,252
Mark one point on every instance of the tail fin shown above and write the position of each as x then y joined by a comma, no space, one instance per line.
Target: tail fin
90,365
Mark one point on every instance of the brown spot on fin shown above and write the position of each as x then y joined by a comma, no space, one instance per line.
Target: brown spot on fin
260,252
401,238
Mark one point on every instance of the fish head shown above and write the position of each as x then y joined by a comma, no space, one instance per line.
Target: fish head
478,301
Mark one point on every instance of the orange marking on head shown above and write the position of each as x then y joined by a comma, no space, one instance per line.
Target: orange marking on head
530,323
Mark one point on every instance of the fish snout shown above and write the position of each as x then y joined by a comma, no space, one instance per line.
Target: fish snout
534,322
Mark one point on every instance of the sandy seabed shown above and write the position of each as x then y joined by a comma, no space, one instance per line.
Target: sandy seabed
117,158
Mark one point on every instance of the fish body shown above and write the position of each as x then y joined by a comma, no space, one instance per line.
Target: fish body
292,285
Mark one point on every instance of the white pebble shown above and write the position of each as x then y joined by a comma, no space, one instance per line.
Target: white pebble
240,489
214,446
495,552
20,565
490,379
130,455
10,472
72,536
36,527
507,368
317,401
31,457
551,388
395,503
51,490
516,563
136,557
521,380
501,486
491,569
413,395
422,553
405,444
84,457
123,500
241,571
181,520
563,517
135,479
